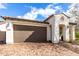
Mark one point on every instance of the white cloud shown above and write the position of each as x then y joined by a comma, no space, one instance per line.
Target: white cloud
19,16
2,6
45,12
50,9
58,7
30,15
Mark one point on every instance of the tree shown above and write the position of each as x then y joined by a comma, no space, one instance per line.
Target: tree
74,11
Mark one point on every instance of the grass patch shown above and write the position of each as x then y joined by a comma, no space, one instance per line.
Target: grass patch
77,35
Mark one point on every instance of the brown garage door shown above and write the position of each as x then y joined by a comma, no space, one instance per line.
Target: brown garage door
2,36
24,33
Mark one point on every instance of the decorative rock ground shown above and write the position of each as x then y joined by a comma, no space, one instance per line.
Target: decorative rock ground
35,49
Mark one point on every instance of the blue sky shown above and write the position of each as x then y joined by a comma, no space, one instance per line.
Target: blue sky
34,11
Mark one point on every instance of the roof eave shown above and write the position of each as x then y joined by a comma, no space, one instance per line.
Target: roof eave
48,18
20,19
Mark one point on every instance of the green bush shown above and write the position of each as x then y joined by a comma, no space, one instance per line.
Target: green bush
77,34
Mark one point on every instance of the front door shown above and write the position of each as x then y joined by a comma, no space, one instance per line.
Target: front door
61,32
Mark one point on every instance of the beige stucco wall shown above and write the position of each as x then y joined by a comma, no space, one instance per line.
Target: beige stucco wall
28,23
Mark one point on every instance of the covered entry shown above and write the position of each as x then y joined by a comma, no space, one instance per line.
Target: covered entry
24,33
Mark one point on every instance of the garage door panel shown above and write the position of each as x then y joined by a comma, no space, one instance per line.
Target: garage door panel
2,35
20,36
29,34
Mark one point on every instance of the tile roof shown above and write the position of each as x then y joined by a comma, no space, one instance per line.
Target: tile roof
20,19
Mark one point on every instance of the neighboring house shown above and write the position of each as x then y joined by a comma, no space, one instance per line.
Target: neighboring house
55,28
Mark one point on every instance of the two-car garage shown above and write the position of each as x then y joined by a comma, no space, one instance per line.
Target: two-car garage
22,30
23,33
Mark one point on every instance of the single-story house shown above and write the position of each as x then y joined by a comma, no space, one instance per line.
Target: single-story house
55,28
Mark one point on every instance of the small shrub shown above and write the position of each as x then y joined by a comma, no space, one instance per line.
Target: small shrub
77,34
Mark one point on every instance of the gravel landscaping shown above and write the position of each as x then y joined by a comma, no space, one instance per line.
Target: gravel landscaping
35,49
